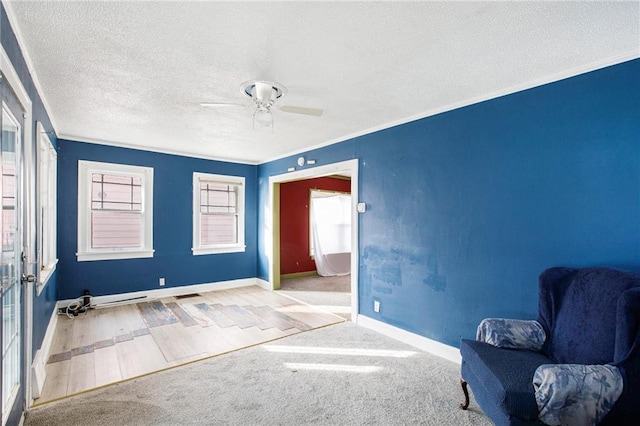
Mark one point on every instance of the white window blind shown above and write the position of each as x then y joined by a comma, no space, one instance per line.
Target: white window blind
218,213
116,211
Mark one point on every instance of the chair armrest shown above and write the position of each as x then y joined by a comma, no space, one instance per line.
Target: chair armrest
628,326
568,394
511,333
627,355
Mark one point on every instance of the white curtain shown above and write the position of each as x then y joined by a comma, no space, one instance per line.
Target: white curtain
331,232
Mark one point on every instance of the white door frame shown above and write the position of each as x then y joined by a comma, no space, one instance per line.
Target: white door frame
28,204
272,220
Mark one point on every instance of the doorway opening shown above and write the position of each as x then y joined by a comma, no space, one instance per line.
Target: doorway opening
335,292
315,242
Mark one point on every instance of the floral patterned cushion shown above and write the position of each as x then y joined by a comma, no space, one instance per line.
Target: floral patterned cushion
575,394
511,333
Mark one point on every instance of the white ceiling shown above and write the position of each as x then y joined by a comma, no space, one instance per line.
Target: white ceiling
134,73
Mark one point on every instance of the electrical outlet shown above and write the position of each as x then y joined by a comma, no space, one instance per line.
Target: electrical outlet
376,306
161,282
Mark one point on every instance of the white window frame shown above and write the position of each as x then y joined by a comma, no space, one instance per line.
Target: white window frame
47,204
85,170
200,249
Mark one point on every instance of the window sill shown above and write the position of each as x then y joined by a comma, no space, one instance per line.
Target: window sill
217,250
44,277
114,255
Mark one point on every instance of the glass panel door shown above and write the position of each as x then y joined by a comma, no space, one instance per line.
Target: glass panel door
10,260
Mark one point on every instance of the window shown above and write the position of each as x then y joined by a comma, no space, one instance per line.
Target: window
47,198
218,214
333,210
115,211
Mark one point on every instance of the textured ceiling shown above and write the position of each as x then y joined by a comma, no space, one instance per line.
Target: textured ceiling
134,73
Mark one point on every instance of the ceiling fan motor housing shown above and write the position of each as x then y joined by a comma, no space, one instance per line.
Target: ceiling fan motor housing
263,93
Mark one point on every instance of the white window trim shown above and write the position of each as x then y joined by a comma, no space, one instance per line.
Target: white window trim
46,153
85,252
238,247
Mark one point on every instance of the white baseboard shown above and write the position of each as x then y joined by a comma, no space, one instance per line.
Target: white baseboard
39,373
141,296
264,284
434,347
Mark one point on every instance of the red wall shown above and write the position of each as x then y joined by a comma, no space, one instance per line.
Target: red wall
294,221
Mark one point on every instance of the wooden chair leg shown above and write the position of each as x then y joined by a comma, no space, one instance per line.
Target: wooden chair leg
465,404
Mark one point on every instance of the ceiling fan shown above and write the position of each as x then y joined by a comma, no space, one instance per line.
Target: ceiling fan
264,95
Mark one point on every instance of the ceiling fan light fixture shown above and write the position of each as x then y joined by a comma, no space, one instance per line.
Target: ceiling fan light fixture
262,118
265,95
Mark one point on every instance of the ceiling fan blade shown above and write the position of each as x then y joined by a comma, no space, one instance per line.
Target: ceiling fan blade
263,91
301,110
221,104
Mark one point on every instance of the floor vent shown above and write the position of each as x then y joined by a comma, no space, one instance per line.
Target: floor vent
186,296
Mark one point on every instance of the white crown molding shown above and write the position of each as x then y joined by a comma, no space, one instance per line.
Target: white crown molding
470,101
13,21
74,138
583,69
572,72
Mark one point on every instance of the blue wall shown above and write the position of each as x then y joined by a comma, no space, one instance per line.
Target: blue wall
44,304
172,225
466,208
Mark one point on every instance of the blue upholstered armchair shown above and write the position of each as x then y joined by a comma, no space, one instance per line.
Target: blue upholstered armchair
577,364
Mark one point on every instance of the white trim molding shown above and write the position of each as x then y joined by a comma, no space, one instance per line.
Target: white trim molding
85,171
273,215
38,371
238,183
572,72
17,31
29,197
137,146
140,296
434,347
47,172
263,284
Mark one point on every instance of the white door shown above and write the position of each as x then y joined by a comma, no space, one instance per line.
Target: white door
11,257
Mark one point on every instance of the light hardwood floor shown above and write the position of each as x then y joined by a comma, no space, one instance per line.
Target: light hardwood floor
108,345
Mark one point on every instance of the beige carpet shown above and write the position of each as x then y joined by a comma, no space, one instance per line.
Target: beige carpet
341,284
332,294
338,375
